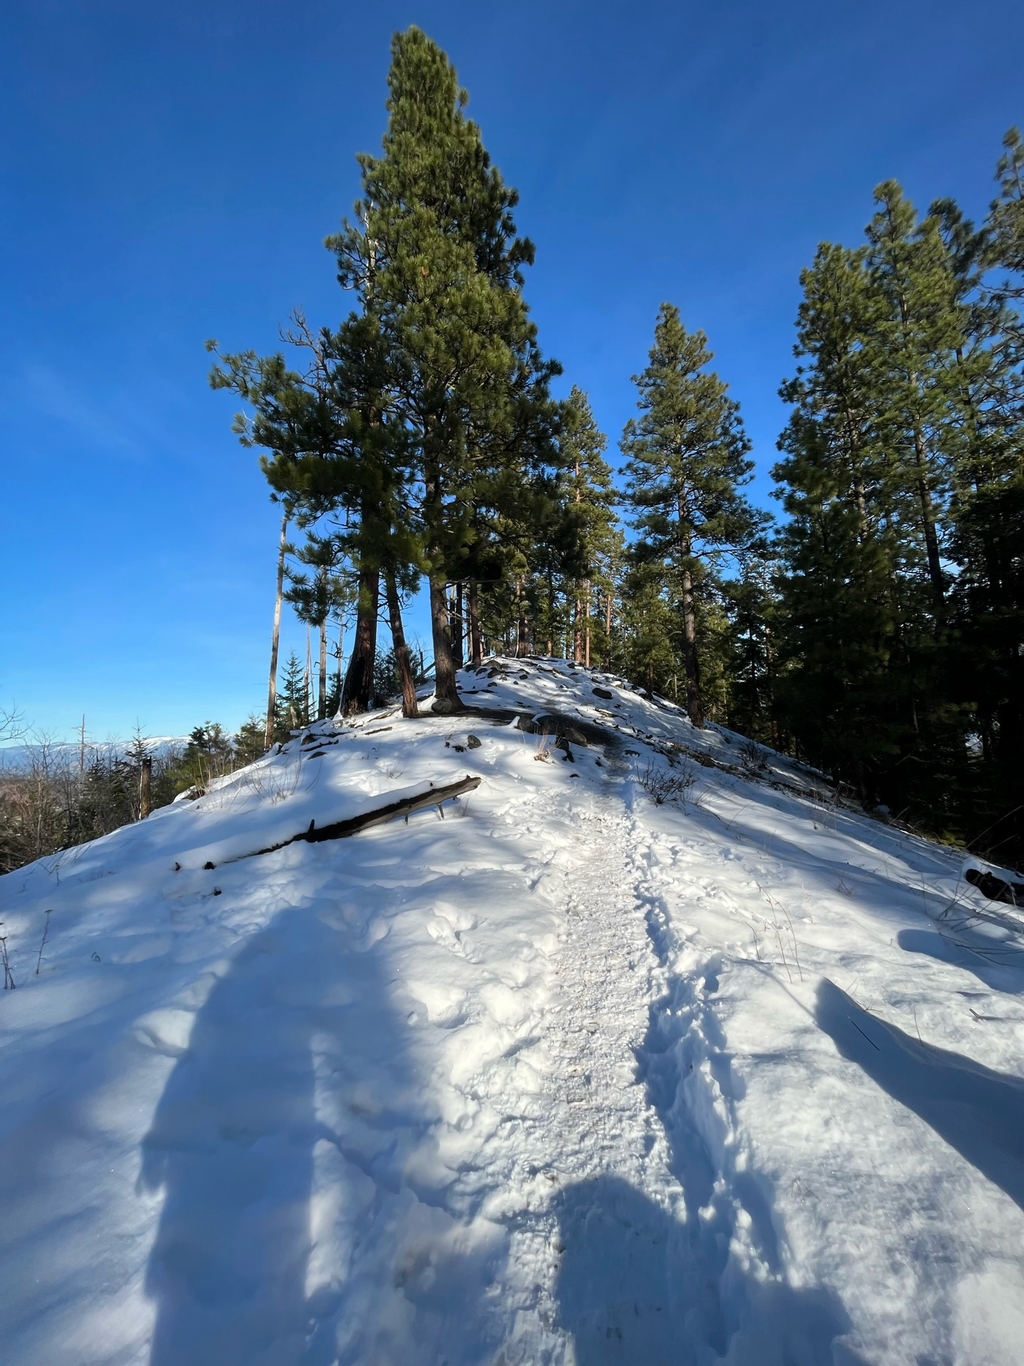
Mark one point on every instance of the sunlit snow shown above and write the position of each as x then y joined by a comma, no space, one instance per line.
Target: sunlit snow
565,1075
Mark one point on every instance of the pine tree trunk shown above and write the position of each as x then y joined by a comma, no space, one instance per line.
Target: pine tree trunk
931,538
520,619
446,688
341,656
694,700
321,701
275,639
586,619
308,682
608,628
401,648
458,627
358,689
476,643
577,632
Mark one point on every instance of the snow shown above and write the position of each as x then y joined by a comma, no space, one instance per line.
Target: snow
565,1076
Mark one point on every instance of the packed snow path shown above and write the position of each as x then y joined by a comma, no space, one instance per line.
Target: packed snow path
648,1052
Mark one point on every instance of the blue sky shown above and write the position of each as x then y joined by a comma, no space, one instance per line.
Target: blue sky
169,172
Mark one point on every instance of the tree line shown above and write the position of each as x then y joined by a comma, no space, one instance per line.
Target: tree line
877,632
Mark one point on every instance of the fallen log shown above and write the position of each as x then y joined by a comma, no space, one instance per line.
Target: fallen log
340,830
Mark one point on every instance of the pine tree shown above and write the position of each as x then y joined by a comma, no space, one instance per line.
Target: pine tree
437,264
250,742
590,496
293,696
685,462
912,345
987,542
1005,227
752,607
650,625
842,543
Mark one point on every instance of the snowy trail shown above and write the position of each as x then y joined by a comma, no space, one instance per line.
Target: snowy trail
657,1242
594,1142
568,1077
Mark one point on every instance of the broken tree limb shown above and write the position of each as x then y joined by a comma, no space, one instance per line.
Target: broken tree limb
339,830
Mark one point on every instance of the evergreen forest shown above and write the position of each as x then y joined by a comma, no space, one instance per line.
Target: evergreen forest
872,627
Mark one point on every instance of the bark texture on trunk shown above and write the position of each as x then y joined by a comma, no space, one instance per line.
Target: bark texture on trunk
358,690
458,626
476,640
694,700
446,689
321,700
522,625
275,638
586,625
401,648
931,538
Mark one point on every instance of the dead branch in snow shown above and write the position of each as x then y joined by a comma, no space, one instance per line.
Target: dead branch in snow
405,806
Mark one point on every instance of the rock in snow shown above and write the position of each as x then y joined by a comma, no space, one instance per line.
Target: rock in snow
643,1053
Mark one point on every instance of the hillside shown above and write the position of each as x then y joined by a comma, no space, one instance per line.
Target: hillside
645,1050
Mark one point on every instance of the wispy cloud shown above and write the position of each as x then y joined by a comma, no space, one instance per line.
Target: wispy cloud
107,422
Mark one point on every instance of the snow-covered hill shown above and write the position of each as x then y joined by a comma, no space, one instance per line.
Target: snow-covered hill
648,1051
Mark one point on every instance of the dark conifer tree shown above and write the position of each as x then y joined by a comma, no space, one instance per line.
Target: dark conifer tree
293,696
586,487
437,262
842,541
912,344
685,463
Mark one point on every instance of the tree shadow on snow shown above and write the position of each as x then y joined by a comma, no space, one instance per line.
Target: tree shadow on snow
978,1112
997,965
635,1286
638,1285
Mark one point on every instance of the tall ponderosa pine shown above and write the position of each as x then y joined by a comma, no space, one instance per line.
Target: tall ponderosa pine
842,540
336,451
912,344
685,462
437,263
590,499
901,460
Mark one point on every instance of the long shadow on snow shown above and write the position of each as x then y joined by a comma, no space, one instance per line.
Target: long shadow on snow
633,1288
978,1112
303,1009
231,1145
1000,969
637,1285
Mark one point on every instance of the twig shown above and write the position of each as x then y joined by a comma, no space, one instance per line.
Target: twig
860,1031
46,931
404,806
8,975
